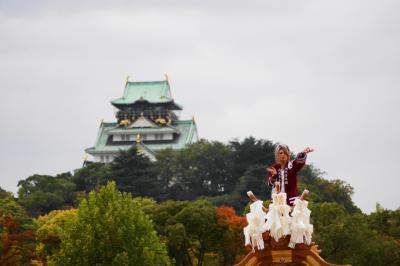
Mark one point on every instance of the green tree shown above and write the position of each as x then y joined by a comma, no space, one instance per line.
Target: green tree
250,158
387,222
48,232
3,193
40,194
169,228
249,152
169,175
91,176
110,229
347,238
201,169
190,230
323,190
209,171
133,172
199,220
254,179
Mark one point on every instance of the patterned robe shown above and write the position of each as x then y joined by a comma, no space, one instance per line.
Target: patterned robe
287,177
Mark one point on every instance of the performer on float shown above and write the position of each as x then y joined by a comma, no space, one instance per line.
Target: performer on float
285,171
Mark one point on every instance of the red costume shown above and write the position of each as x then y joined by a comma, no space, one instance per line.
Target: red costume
287,177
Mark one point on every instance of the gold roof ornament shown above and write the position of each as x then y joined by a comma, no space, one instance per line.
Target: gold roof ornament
127,80
166,77
160,120
194,121
125,122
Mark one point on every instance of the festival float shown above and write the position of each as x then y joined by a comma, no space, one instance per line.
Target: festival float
280,234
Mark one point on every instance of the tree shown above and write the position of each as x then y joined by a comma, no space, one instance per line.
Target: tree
323,190
199,221
133,172
167,167
169,228
17,247
254,179
190,230
16,233
251,151
209,168
49,229
3,193
91,176
347,238
387,222
110,229
200,169
249,157
231,226
40,194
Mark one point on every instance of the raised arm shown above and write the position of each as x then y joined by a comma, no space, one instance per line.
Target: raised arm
301,157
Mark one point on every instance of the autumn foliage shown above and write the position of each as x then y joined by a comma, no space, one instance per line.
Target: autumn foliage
227,215
17,245
232,246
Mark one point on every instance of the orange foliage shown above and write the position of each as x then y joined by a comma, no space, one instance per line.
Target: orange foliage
233,240
17,247
227,215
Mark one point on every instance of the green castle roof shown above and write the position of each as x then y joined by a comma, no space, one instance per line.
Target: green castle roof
186,129
150,91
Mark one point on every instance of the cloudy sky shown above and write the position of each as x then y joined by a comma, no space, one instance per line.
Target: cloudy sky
317,73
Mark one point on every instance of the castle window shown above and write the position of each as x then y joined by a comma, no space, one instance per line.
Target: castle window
159,136
125,137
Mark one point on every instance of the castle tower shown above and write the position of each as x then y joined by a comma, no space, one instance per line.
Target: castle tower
147,117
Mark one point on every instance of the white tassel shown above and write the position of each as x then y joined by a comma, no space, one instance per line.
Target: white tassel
301,229
256,226
278,219
246,232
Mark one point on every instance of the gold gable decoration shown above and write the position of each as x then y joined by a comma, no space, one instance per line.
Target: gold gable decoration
124,122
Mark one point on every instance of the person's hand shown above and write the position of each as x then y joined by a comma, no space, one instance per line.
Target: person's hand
308,150
272,171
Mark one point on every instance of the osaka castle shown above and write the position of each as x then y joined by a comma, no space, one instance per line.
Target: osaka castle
146,117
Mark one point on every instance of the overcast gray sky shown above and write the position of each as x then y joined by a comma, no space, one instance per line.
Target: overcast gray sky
317,73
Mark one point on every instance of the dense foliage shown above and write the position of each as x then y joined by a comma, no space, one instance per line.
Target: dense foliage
49,230
193,196
351,239
116,232
17,233
196,232
40,194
